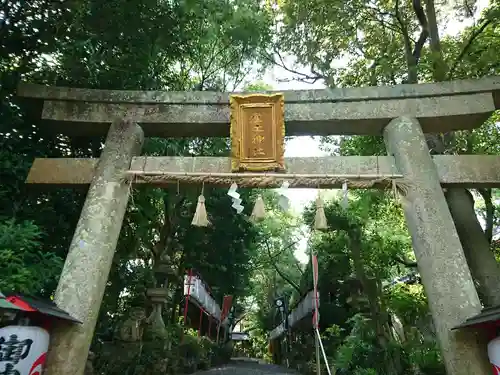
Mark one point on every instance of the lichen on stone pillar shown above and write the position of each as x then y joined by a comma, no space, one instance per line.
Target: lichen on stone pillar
441,262
86,270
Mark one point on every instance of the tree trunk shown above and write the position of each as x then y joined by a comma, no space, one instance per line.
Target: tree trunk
482,263
439,66
177,302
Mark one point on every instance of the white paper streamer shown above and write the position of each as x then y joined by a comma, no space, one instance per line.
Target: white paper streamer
236,198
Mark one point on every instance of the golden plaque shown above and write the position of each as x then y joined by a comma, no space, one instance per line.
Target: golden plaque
257,132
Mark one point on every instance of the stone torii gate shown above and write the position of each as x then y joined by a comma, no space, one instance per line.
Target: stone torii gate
402,114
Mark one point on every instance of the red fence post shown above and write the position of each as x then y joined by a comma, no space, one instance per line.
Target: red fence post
201,320
186,304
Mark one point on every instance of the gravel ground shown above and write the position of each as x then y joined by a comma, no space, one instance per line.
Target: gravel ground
247,368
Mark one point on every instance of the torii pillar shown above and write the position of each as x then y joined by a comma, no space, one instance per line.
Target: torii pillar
441,261
86,270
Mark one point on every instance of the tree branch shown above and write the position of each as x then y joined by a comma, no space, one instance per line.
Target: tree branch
298,267
274,256
410,61
405,262
397,14
424,33
490,213
304,77
283,276
385,23
467,46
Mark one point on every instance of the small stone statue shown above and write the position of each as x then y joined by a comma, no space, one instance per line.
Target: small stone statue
132,328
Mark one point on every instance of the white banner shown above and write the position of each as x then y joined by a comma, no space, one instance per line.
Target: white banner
23,350
197,291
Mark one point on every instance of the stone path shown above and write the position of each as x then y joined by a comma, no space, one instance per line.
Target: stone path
236,367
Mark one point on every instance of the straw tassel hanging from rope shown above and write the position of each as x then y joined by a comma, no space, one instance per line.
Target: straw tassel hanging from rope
320,218
344,203
200,218
259,210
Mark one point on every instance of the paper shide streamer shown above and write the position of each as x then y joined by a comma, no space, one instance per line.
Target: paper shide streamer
235,196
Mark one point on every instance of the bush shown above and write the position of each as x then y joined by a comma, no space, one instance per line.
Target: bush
23,266
171,354
427,358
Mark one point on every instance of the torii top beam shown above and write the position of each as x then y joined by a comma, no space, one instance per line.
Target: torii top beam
440,107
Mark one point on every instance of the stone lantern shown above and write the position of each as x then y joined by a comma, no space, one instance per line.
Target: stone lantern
158,297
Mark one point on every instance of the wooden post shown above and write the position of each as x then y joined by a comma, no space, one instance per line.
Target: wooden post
318,353
209,326
201,321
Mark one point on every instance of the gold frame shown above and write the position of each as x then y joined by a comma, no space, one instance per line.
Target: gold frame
277,103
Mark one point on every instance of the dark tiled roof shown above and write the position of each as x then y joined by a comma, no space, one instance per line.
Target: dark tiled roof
46,307
487,315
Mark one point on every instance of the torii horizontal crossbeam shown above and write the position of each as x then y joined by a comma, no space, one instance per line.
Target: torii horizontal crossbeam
453,170
439,107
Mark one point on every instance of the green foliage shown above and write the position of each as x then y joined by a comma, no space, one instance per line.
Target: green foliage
260,345
19,246
357,346
275,270
258,86
427,357
373,42
408,302
356,43
365,371
175,353
212,45
353,302
120,44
